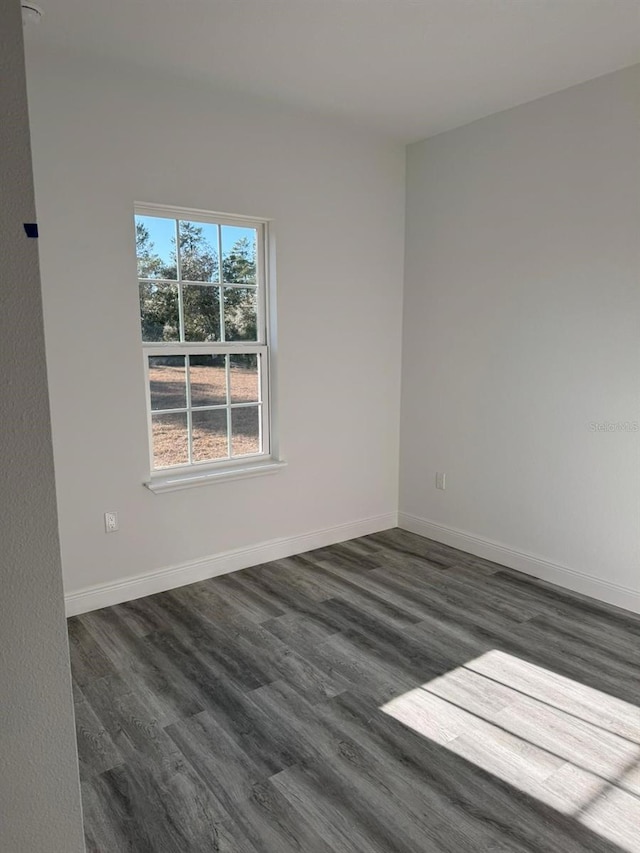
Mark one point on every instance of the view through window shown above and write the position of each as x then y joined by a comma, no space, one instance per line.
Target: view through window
202,287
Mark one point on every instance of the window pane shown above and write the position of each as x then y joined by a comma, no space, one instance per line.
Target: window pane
208,378
245,430
201,304
243,378
239,254
240,314
167,381
170,445
198,251
159,314
156,247
209,435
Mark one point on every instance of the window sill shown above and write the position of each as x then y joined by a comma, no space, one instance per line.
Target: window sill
161,483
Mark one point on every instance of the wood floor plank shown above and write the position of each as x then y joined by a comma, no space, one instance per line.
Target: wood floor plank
253,603
230,771
347,556
137,663
224,655
384,695
446,586
271,823
140,615
315,805
384,805
275,658
412,545
96,750
292,572
134,808
366,591
490,813
88,659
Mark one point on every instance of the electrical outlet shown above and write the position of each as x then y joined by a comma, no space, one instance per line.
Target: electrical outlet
110,522
441,481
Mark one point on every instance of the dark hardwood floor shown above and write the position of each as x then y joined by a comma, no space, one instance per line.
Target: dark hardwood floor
385,695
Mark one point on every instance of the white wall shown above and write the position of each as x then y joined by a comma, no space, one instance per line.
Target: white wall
521,328
103,138
39,785
521,324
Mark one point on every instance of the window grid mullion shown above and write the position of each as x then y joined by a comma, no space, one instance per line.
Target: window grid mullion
229,454
237,284
228,371
190,436
181,313
178,260
228,365
204,348
260,407
179,278
213,408
223,334
169,411
187,376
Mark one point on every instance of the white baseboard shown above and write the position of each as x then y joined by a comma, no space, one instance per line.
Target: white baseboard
522,562
170,577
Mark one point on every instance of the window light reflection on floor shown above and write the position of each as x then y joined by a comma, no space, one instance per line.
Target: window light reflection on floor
568,745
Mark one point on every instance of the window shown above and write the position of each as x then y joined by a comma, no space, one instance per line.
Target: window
203,315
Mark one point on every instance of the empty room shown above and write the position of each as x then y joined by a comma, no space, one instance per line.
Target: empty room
321,428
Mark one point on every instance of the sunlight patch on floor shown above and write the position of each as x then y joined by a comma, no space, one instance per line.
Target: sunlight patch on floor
570,746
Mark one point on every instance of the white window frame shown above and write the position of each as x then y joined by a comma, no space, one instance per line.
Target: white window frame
193,473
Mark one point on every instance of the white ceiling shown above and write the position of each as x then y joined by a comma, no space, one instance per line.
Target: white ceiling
410,68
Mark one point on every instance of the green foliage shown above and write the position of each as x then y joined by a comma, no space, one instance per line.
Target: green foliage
158,302
159,313
239,265
149,264
159,309
201,306
198,258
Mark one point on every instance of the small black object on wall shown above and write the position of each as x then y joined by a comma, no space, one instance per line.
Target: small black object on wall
31,229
